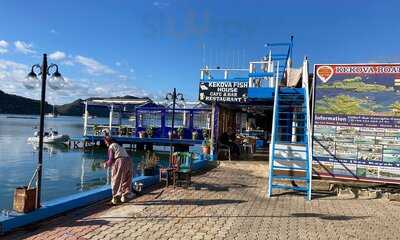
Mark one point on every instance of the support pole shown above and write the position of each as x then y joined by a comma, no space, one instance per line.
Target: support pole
250,78
41,132
184,116
173,121
85,122
173,109
120,118
214,130
111,119
270,69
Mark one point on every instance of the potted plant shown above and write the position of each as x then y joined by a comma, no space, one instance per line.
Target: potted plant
142,134
206,145
180,132
150,131
170,134
206,133
123,131
149,163
194,135
96,129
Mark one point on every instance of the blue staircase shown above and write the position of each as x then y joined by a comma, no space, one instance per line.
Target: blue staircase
281,59
290,160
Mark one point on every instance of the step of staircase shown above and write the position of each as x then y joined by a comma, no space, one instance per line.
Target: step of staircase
289,156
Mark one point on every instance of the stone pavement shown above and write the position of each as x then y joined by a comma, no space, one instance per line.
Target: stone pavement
228,202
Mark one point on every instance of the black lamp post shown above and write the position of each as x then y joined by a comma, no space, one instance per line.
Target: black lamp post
56,82
173,96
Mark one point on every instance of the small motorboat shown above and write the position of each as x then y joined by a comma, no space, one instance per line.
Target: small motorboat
51,136
52,115
88,116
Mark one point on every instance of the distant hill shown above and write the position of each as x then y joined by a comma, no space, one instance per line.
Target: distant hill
77,107
13,104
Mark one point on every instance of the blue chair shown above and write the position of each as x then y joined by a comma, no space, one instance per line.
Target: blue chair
183,173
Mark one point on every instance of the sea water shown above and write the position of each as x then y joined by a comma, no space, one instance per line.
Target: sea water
65,171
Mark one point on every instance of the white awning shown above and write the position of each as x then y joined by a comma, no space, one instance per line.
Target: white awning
121,101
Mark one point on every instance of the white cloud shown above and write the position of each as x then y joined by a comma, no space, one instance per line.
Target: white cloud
23,47
132,70
3,47
160,4
118,64
93,67
12,69
68,63
123,77
85,88
3,44
57,56
12,76
53,31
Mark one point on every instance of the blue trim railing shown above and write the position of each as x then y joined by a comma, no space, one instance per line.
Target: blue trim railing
74,201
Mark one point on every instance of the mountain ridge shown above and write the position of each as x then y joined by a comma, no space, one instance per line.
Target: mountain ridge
14,104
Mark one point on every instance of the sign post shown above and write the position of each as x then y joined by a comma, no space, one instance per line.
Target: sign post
357,122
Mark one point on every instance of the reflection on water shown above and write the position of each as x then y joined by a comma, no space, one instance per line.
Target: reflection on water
52,149
64,171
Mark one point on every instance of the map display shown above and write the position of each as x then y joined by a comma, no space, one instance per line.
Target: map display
356,131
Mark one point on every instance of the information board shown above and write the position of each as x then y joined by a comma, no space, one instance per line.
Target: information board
223,91
356,131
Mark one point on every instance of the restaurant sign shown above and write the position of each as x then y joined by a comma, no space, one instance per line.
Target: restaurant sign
224,92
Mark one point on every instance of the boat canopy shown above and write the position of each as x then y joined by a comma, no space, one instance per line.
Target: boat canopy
120,101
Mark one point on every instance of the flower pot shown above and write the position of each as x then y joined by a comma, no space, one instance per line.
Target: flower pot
194,136
206,149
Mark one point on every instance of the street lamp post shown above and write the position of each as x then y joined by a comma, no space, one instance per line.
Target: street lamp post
56,82
173,96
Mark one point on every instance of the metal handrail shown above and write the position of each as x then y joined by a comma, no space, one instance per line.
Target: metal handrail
273,134
33,177
289,54
308,126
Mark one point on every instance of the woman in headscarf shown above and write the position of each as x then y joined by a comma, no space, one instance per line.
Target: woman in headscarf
121,171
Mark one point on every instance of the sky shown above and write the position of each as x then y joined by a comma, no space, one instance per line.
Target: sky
146,48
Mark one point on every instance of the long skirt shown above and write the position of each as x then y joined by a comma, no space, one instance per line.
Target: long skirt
121,177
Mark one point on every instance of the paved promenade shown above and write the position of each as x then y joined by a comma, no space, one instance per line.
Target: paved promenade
228,202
